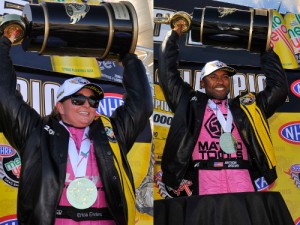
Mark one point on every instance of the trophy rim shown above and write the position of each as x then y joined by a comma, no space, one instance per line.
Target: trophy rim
14,19
135,25
181,15
111,31
46,32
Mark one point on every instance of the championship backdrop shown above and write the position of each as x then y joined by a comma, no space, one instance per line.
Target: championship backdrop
284,124
39,77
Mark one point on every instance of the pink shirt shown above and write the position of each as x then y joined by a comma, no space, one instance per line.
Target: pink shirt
92,173
208,148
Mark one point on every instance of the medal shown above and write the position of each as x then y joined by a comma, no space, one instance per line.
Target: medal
228,143
82,193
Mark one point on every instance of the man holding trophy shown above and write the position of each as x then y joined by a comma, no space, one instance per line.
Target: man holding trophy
245,152
74,164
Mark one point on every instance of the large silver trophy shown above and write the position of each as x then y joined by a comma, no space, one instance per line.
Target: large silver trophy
108,30
226,27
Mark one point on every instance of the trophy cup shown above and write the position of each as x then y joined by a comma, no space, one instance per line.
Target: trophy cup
227,27
105,31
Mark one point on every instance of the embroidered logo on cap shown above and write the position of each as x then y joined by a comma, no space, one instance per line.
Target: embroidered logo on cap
79,80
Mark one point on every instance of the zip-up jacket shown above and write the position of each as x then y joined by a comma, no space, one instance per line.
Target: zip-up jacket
42,143
189,105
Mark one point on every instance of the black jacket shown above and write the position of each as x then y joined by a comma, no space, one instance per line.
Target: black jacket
44,154
189,105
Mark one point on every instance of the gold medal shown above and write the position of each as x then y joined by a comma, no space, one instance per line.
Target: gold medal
228,143
82,193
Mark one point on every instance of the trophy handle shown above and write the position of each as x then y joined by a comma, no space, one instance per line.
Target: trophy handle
11,23
174,18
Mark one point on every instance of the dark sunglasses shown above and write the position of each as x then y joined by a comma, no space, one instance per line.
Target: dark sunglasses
78,99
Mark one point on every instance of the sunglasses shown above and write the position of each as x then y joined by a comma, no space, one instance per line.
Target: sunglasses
78,99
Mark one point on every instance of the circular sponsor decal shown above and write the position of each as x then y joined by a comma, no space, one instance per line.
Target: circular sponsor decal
10,165
290,132
9,220
295,88
297,221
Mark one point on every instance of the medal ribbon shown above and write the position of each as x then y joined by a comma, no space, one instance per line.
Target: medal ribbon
225,124
79,159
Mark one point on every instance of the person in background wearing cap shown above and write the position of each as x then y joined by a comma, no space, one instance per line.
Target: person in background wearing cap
74,166
242,149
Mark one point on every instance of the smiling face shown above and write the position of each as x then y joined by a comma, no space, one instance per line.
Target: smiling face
77,115
217,84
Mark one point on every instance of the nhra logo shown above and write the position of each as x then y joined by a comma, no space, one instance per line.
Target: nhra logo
110,103
295,88
290,132
10,165
9,220
297,222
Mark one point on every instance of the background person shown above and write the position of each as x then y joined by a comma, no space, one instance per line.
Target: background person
73,172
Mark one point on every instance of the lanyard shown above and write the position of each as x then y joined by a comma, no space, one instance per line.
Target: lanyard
225,124
79,159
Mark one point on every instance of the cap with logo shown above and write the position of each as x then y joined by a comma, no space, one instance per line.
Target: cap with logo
72,85
215,65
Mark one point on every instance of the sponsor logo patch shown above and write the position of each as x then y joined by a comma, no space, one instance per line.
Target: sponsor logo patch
262,185
110,134
247,99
